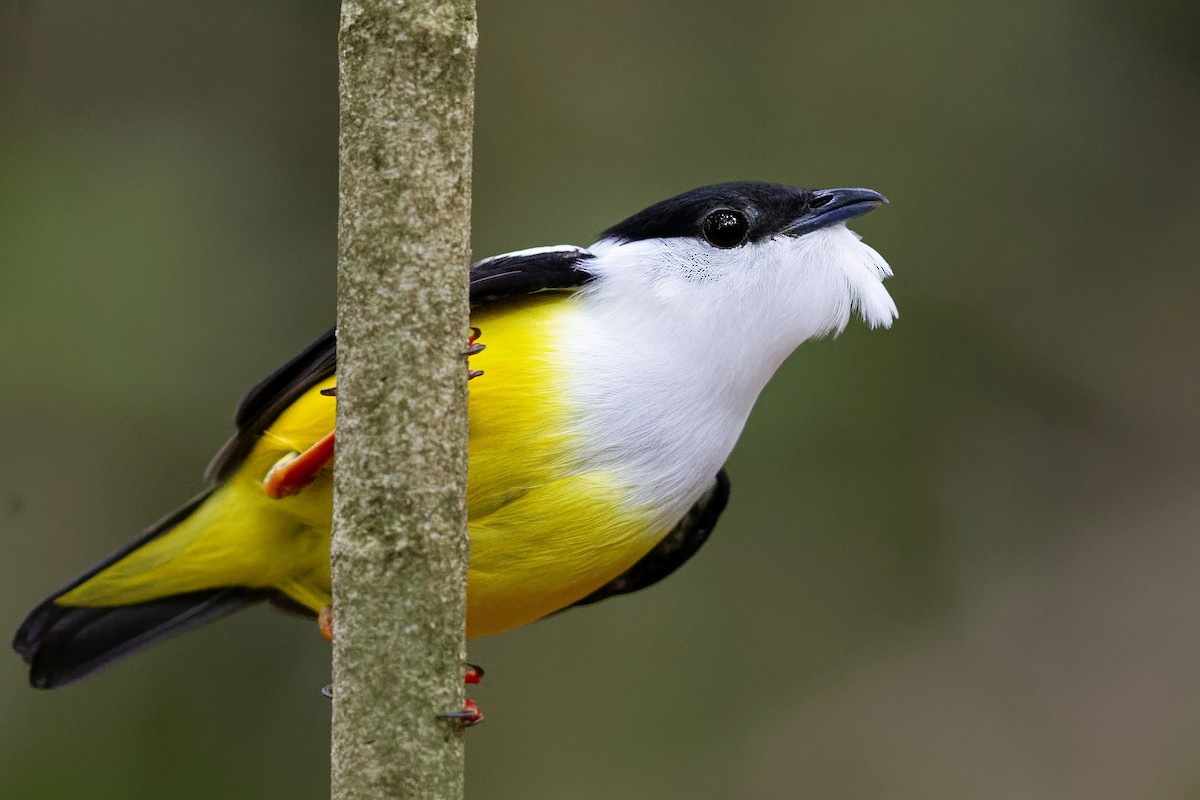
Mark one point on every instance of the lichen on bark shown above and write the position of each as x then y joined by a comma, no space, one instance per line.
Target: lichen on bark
399,551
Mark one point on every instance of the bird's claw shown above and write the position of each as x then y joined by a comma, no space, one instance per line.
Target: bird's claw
470,714
473,349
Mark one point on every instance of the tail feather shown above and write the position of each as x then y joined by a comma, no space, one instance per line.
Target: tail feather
63,643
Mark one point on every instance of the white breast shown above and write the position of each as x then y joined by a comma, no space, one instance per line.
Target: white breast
670,346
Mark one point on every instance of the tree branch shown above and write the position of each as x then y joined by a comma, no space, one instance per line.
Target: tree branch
399,551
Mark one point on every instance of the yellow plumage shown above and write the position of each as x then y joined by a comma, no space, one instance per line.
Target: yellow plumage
545,531
618,379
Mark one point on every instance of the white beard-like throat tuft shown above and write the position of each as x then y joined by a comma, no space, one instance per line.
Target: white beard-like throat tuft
849,273
674,340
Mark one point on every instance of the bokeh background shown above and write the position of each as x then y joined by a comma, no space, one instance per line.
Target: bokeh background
962,557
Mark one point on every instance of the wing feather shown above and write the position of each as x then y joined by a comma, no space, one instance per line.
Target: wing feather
492,280
675,548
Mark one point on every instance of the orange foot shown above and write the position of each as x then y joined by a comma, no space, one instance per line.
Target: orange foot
293,472
470,715
325,623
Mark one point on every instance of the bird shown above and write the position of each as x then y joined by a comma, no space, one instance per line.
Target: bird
615,382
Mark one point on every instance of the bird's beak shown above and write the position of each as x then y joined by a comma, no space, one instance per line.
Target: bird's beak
831,206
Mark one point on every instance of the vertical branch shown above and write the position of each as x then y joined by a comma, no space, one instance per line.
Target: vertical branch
399,552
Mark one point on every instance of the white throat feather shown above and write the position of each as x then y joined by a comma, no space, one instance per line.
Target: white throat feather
674,339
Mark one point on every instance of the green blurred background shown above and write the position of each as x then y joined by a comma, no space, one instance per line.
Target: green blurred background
962,556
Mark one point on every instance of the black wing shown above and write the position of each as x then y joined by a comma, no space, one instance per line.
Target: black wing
676,547
266,401
64,643
528,271
492,280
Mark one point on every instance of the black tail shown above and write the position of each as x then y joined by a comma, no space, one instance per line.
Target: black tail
62,644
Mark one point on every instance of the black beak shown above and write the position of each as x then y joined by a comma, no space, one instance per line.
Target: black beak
831,206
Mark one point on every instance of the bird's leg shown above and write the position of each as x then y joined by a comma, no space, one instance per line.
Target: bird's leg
470,713
292,482
295,471
473,349
325,623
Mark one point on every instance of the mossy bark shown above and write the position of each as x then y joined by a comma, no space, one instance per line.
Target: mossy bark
400,548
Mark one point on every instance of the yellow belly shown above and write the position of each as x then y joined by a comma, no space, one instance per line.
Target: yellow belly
545,530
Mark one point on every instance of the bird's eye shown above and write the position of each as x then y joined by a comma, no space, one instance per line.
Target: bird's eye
726,228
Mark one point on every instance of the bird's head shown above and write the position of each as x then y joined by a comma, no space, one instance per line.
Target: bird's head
745,255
